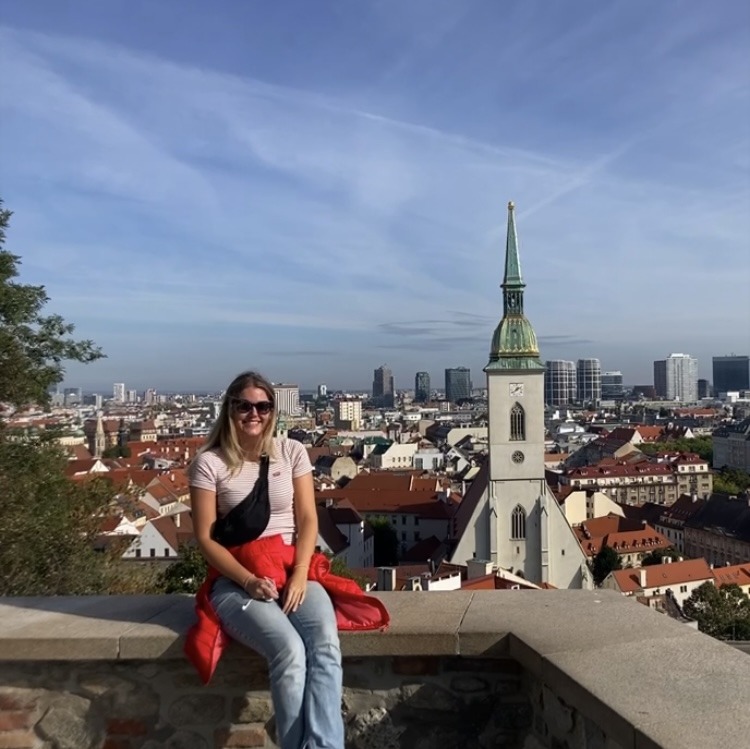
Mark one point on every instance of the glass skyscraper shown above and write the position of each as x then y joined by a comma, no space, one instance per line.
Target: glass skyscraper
457,384
559,382
731,373
422,387
382,387
589,381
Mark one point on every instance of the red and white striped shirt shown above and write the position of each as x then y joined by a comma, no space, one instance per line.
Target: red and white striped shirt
209,471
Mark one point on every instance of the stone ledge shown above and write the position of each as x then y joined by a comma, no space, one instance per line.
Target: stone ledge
647,678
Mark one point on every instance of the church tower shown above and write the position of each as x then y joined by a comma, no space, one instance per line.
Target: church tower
515,389
509,516
515,382
100,440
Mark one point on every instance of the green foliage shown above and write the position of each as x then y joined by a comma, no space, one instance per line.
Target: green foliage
385,541
703,446
117,451
185,575
338,567
722,612
49,524
604,562
658,555
731,481
33,346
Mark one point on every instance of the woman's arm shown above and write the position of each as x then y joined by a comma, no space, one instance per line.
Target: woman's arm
203,503
306,519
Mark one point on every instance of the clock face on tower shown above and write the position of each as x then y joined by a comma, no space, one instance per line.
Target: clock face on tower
516,389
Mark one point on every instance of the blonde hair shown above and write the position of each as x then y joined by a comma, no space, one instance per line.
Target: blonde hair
223,435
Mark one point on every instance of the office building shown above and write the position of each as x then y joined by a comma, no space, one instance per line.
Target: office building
612,387
287,399
676,378
322,391
559,382
132,396
457,384
118,392
704,389
348,415
422,387
72,396
731,373
383,391
588,381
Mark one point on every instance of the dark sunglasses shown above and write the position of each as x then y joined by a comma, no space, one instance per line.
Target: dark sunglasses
245,407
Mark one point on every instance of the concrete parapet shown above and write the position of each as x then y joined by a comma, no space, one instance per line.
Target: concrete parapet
475,669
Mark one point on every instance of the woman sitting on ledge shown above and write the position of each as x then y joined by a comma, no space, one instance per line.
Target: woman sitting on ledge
271,594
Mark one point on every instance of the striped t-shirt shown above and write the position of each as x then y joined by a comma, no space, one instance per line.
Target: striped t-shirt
208,471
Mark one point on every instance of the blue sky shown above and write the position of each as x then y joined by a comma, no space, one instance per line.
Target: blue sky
315,189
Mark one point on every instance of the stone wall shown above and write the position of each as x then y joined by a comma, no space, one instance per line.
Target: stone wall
389,703
456,670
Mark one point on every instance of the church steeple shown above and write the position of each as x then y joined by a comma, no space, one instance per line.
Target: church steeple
512,279
514,345
100,441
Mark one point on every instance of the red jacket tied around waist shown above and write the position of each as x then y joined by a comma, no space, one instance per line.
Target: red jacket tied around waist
271,557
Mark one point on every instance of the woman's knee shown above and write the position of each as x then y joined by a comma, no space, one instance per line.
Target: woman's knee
290,655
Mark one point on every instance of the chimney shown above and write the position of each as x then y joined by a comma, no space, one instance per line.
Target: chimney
642,577
386,578
478,568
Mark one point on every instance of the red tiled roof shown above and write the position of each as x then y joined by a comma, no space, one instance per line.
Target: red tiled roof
736,574
663,575
621,534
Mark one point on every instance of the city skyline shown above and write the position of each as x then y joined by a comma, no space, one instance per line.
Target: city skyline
200,199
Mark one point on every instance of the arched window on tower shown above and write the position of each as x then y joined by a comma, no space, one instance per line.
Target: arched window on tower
517,423
518,524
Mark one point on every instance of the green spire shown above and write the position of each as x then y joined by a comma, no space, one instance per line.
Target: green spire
512,263
514,345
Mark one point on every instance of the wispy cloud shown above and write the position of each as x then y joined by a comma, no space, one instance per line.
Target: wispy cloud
363,214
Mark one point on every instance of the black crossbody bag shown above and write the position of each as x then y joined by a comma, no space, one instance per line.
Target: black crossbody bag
249,518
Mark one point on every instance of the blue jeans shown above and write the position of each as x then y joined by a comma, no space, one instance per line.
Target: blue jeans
304,661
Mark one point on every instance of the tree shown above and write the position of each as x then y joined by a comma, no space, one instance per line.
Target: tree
657,556
722,612
731,481
33,346
604,562
47,523
185,575
702,446
385,542
339,567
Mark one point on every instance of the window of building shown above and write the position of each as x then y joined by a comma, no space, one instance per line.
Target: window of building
152,552
403,520
518,523
517,423
166,551
137,553
417,536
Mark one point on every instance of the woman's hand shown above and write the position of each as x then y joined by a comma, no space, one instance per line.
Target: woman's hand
294,592
261,589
